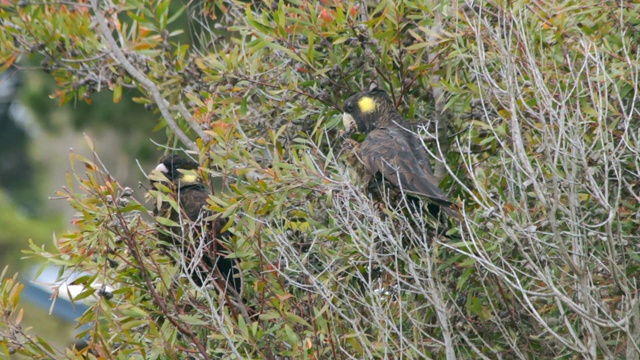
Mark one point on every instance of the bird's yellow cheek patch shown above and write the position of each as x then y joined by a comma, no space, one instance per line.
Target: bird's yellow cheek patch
188,177
366,105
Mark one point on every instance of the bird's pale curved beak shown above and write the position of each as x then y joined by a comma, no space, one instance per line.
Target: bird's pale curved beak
349,124
162,168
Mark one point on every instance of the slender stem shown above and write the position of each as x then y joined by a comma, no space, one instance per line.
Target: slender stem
149,85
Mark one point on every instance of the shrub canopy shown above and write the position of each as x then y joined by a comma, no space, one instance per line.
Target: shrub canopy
529,111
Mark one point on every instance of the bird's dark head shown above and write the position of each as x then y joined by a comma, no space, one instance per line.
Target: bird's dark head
365,111
177,169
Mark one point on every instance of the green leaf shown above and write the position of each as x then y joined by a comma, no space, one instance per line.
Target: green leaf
341,39
270,315
162,11
135,312
166,222
192,319
175,16
297,319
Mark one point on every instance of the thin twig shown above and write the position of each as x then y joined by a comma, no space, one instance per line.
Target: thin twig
140,77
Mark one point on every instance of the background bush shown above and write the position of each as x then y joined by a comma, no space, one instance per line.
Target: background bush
529,110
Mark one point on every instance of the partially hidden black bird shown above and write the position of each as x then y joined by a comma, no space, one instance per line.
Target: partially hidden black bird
193,231
390,149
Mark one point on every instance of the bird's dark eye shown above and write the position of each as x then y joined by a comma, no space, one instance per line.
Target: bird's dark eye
348,108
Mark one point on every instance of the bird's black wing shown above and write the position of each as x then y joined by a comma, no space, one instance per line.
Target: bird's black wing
388,152
192,200
418,150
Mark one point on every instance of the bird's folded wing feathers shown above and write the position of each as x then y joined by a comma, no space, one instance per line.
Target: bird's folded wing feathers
387,151
192,200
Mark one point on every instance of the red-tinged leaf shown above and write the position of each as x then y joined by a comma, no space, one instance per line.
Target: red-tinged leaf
7,64
354,10
325,15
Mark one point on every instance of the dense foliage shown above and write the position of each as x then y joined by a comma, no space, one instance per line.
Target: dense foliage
529,111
